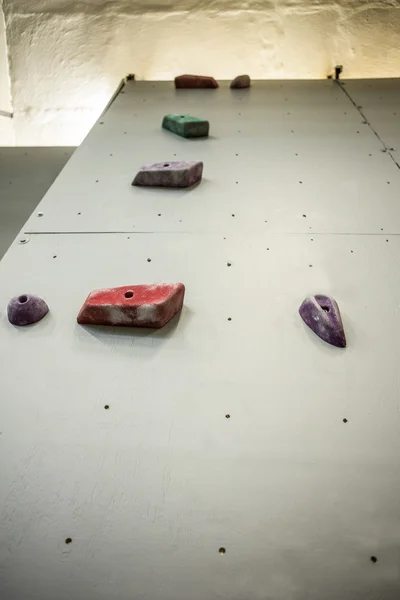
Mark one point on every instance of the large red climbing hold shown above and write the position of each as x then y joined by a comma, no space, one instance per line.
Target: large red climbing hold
133,306
195,82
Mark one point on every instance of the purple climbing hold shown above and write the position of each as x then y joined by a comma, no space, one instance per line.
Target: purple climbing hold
240,82
176,174
322,315
26,309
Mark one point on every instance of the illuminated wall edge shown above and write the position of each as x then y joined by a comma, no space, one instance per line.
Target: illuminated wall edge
65,65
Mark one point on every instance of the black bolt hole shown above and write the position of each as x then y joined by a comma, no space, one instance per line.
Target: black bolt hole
149,260
106,406
166,165
129,294
228,264
68,540
227,416
344,420
229,318
23,299
222,550
159,215
305,216
374,559
325,308
233,215
55,256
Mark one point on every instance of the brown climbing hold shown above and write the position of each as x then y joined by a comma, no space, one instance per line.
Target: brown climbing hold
133,306
240,82
195,82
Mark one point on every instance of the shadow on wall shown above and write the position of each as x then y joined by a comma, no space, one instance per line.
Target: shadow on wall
25,176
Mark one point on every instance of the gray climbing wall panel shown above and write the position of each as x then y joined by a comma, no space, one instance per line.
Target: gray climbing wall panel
234,427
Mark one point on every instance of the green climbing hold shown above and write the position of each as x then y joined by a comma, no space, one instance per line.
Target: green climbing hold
186,126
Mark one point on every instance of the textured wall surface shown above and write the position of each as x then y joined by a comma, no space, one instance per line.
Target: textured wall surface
67,56
6,125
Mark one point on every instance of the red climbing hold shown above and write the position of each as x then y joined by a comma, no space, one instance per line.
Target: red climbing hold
195,82
133,306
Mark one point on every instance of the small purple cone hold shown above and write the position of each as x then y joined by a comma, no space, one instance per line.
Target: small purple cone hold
322,315
26,309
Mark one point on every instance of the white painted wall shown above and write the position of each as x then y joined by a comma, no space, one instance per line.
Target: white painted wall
6,124
67,56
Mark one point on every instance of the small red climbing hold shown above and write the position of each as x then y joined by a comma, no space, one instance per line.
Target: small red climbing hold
195,82
240,82
133,306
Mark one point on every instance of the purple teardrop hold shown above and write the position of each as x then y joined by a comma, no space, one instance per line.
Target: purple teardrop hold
26,309
322,315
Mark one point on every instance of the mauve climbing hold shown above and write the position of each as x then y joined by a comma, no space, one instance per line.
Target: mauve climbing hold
178,174
322,315
26,309
133,306
242,81
186,126
195,82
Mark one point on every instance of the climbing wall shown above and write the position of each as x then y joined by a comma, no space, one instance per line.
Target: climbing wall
232,454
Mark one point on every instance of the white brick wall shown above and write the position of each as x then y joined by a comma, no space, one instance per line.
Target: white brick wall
67,56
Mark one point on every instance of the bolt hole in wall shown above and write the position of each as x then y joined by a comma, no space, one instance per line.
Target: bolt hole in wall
68,540
106,406
374,559
222,550
23,299
129,294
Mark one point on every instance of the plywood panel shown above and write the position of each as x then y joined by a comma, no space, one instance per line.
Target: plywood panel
277,151
150,488
379,101
25,176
